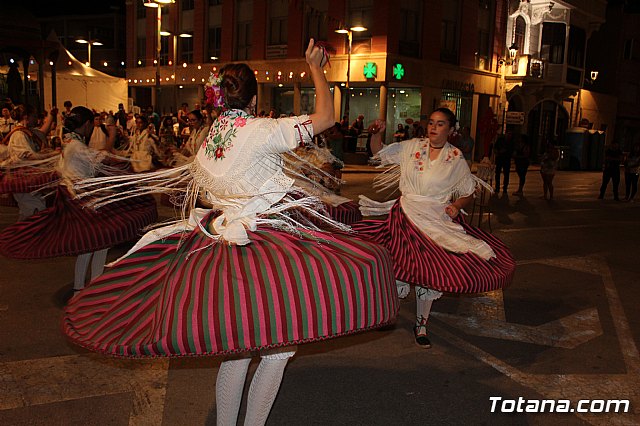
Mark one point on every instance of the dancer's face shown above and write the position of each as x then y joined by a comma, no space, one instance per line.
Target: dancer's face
439,129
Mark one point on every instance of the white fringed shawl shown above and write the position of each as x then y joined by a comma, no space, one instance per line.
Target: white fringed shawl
249,187
427,187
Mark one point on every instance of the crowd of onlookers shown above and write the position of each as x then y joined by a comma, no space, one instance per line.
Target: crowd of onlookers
152,140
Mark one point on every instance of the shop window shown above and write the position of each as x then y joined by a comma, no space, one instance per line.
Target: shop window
214,43
361,13
164,50
243,28
485,26
278,30
315,20
450,28
552,47
243,46
577,42
187,4
141,10
410,29
141,51
631,50
461,103
186,49
519,33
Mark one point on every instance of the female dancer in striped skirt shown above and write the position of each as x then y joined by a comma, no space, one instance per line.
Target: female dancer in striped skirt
69,229
431,249
248,275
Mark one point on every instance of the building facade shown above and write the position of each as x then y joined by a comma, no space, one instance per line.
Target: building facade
547,81
615,51
413,56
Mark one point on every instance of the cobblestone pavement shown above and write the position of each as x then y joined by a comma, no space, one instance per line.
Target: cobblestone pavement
567,329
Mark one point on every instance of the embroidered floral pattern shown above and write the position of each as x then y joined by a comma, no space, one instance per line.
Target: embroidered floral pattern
223,132
421,156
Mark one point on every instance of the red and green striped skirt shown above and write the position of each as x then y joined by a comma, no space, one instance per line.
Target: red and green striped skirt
25,179
190,297
347,213
418,260
69,229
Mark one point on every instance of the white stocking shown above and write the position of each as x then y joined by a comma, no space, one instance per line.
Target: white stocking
97,263
229,386
403,289
424,300
82,263
264,387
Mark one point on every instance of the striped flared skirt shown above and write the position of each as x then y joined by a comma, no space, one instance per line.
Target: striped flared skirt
68,228
190,297
420,261
347,213
25,180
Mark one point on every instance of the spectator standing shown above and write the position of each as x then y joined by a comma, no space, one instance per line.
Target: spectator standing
521,158
611,170
503,149
358,125
465,144
631,169
121,116
548,167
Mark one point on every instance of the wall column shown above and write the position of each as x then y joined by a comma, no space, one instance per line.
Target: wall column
296,98
337,102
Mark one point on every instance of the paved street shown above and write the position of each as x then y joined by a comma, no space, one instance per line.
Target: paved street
567,329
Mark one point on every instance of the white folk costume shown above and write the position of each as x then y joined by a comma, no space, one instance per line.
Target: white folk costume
251,274
428,247
142,147
25,169
69,229
190,148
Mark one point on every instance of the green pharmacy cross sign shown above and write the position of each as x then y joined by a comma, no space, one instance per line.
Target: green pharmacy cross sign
398,71
370,70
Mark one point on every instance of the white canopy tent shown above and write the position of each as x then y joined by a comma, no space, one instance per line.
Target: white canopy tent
82,85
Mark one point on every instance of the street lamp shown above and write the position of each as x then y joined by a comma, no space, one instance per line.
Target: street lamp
89,42
157,4
349,32
175,60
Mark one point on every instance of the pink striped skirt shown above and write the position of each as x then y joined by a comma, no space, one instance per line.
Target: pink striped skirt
25,180
68,229
419,261
346,213
192,298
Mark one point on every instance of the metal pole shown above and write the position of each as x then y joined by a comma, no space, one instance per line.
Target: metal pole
175,87
89,53
158,48
346,101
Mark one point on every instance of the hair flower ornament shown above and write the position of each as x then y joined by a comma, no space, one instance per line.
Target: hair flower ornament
213,92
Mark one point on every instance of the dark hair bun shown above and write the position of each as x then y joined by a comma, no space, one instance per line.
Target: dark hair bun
239,85
77,117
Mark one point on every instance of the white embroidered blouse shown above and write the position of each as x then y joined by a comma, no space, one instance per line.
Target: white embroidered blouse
427,187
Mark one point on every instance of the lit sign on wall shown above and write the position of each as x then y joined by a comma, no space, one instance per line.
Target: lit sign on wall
398,71
370,70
